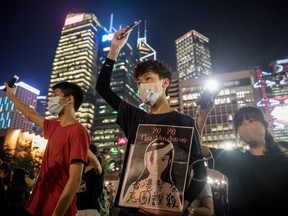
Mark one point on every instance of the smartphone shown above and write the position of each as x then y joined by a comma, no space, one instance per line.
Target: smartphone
129,29
205,99
12,81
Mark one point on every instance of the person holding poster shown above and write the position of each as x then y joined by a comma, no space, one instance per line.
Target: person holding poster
153,78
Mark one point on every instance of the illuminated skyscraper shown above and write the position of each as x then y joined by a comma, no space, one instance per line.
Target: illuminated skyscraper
193,55
41,105
11,117
146,51
75,61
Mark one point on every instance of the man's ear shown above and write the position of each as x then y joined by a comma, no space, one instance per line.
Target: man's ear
166,83
70,99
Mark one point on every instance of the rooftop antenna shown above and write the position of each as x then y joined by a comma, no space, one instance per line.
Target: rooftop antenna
145,31
148,51
138,34
111,22
111,28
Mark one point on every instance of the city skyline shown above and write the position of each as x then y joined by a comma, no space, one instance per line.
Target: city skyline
242,34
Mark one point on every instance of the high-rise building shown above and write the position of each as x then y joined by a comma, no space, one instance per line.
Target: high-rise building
273,88
75,61
193,56
174,98
236,91
41,105
11,117
146,51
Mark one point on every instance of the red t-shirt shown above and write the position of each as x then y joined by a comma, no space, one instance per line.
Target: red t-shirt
65,144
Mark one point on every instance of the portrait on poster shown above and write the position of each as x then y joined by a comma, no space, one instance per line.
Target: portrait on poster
157,168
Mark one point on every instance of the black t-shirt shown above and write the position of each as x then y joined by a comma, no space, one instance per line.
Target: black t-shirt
257,184
129,117
90,189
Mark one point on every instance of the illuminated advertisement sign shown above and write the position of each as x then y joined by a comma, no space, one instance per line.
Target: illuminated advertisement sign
74,19
122,140
280,117
107,37
279,66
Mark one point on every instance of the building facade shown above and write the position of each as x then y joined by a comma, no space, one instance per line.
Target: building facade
193,56
11,117
76,61
236,91
41,105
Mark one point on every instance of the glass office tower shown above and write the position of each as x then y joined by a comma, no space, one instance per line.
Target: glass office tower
75,61
193,56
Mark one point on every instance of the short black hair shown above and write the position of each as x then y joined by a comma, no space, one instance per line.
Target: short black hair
5,166
158,67
73,89
93,148
247,113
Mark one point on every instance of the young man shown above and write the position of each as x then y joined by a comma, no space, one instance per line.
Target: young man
257,178
153,79
65,154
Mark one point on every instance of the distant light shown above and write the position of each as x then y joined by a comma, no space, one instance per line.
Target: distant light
212,85
106,49
189,34
74,19
122,140
282,61
228,145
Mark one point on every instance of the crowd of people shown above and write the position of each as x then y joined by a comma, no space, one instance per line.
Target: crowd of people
71,177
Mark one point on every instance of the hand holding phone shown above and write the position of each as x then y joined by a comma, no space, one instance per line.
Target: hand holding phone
11,82
206,98
129,29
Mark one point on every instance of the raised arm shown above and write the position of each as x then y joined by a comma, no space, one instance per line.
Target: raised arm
104,77
28,112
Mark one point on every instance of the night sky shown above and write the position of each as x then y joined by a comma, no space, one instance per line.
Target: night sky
242,33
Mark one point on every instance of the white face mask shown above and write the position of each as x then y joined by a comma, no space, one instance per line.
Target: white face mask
54,106
148,92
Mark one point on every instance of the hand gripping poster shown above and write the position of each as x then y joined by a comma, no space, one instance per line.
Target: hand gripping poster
157,168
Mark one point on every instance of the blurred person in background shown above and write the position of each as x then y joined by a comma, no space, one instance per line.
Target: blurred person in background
5,173
91,185
19,191
203,205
